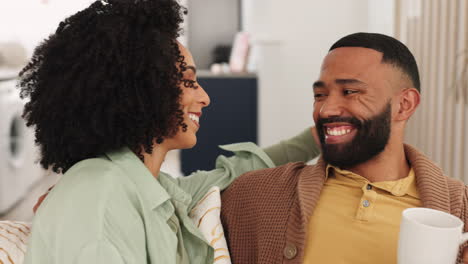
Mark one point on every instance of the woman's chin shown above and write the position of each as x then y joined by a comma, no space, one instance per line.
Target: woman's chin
182,140
189,143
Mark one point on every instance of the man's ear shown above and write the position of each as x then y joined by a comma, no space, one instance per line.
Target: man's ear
409,101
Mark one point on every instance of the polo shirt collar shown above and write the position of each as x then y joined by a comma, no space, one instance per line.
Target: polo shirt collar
430,180
400,187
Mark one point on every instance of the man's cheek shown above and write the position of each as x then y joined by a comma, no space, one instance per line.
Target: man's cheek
316,113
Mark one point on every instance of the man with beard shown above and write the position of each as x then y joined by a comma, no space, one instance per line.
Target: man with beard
347,207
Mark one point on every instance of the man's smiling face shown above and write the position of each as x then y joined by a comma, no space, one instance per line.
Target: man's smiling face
352,108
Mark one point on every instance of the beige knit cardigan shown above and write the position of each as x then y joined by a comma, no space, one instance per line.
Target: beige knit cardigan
265,212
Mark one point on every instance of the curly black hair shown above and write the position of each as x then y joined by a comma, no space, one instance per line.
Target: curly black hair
108,77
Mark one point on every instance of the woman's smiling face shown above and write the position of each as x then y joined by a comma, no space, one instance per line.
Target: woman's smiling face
193,100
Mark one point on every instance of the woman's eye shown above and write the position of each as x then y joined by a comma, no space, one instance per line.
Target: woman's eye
190,84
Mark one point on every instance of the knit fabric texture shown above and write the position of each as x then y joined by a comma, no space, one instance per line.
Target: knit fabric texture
265,213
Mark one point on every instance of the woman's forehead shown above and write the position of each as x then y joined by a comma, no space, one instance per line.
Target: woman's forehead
188,58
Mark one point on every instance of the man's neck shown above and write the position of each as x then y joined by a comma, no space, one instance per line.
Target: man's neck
389,165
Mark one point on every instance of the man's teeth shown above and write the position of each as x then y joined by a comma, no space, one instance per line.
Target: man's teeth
338,131
194,118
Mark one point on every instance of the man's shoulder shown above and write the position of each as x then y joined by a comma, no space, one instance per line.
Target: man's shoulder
433,181
263,190
452,182
282,176
457,188
425,167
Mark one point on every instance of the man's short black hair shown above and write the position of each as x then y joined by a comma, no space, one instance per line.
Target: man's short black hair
394,52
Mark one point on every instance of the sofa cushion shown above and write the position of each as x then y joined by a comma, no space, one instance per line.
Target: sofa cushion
13,238
206,216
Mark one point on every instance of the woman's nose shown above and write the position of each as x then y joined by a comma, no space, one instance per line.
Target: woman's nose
204,98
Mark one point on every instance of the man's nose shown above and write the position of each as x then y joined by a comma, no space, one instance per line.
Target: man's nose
332,106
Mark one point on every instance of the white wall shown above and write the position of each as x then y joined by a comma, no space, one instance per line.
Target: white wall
29,22
184,36
210,23
381,14
290,40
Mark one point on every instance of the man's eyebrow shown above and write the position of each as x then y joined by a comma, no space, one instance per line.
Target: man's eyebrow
191,68
350,81
318,84
321,84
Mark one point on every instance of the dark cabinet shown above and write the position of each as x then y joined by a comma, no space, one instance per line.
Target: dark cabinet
230,118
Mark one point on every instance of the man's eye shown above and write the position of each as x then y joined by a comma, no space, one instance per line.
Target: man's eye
317,95
348,92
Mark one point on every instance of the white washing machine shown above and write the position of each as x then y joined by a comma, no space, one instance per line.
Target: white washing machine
18,153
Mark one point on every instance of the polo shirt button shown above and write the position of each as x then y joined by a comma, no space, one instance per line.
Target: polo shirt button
365,203
290,251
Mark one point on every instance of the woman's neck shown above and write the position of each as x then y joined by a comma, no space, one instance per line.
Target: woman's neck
154,160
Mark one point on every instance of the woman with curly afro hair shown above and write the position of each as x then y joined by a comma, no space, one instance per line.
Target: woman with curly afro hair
110,93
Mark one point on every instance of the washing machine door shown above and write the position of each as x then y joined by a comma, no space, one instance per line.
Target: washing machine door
18,153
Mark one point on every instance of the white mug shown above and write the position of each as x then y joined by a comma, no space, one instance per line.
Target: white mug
429,236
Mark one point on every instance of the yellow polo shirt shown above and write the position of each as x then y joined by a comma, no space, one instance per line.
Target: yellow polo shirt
356,221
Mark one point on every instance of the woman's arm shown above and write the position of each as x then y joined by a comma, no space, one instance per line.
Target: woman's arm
302,147
249,157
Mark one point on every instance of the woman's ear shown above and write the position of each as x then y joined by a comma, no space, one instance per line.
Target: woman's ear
408,102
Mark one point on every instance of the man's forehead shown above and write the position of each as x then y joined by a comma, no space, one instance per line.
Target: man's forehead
357,66
352,60
354,55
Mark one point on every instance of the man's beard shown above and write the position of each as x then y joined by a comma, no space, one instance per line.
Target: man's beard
371,137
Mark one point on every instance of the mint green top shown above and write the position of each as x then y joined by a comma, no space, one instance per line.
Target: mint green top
112,210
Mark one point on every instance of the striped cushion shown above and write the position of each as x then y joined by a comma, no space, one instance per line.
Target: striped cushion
13,239
206,216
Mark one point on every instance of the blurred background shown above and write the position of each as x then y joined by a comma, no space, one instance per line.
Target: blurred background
257,60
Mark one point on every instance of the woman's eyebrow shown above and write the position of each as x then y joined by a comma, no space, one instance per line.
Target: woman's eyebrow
192,68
